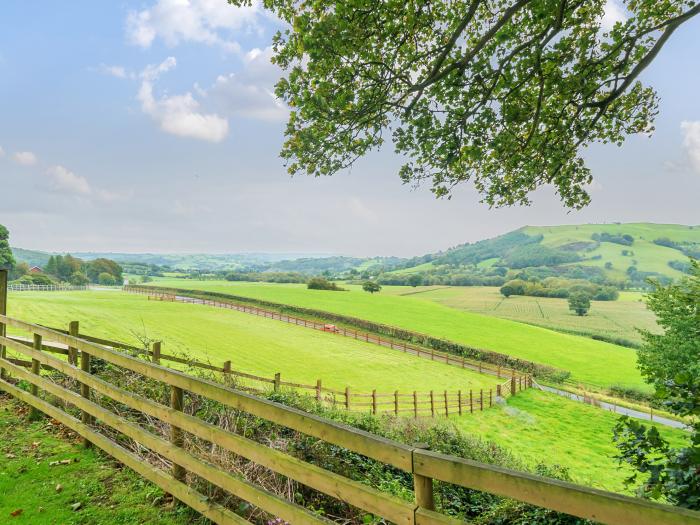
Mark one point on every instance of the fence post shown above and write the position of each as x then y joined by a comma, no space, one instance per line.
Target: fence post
73,329
490,397
3,311
447,410
36,369
498,390
396,402
318,390
471,402
432,403
347,398
481,400
177,402
498,372
277,382
227,367
86,367
459,402
423,488
156,353
415,404
374,401
512,386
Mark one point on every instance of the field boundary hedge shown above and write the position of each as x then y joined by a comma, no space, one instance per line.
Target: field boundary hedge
546,372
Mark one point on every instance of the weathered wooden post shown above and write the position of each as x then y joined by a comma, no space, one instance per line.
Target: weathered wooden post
447,410
277,382
415,404
155,357
432,403
481,400
471,402
85,366
374,401
396,402
423,487
36,369
3,311
490,397
177,402
498,390
347,398
459,402
73,329
227,367
318,390
512,386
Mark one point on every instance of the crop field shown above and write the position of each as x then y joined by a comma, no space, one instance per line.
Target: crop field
539,427
253,344
588,360
606,318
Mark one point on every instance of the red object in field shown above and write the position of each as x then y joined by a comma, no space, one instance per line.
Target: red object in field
330,328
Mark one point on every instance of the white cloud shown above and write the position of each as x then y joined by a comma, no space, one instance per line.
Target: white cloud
25,158
114,71
614,13
178,114
691,142
2,152
250,92
209,22
64,180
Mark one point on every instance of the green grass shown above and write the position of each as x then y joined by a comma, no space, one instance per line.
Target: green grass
541,427
108,493
649,256
617,319
594,362
254,344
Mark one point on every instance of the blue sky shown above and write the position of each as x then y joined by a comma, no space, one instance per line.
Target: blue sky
150,126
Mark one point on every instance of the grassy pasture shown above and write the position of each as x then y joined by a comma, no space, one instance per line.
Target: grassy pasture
107,493
255,345
541,427
610,318
591,361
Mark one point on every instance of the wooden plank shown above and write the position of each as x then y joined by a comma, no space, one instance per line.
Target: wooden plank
191,497
85,366
3,311
375,447
584,502
234,484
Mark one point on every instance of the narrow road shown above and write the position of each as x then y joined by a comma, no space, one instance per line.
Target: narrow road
615,408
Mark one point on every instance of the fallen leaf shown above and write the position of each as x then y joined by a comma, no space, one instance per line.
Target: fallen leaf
16,513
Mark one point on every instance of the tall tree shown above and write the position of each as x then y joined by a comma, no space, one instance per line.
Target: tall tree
671,362
7,260
503,93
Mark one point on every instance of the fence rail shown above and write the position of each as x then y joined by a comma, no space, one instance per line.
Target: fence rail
45,288
428,353
418,404
425,466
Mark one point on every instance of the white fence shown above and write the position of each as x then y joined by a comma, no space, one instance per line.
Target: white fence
45,287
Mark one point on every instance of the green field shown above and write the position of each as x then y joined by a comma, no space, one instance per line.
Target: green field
650,257
618,319
541,427
107,493
594,362
253,344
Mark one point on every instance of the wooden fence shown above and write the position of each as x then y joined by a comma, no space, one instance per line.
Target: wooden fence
414,403
428,353
425,466
45,288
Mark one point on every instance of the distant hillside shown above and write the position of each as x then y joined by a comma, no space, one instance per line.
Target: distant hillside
604,252
31,257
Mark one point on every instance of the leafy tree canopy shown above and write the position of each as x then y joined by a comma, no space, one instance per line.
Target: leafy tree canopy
7,260
502,93
580,303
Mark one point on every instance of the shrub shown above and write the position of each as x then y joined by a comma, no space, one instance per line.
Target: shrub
371,287
321,283
579,302
106,279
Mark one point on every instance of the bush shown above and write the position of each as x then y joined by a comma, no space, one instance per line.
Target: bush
321,283
579,302
106,279
79,279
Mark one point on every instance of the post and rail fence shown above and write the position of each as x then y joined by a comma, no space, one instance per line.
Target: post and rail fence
171,475
413,403
46,287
